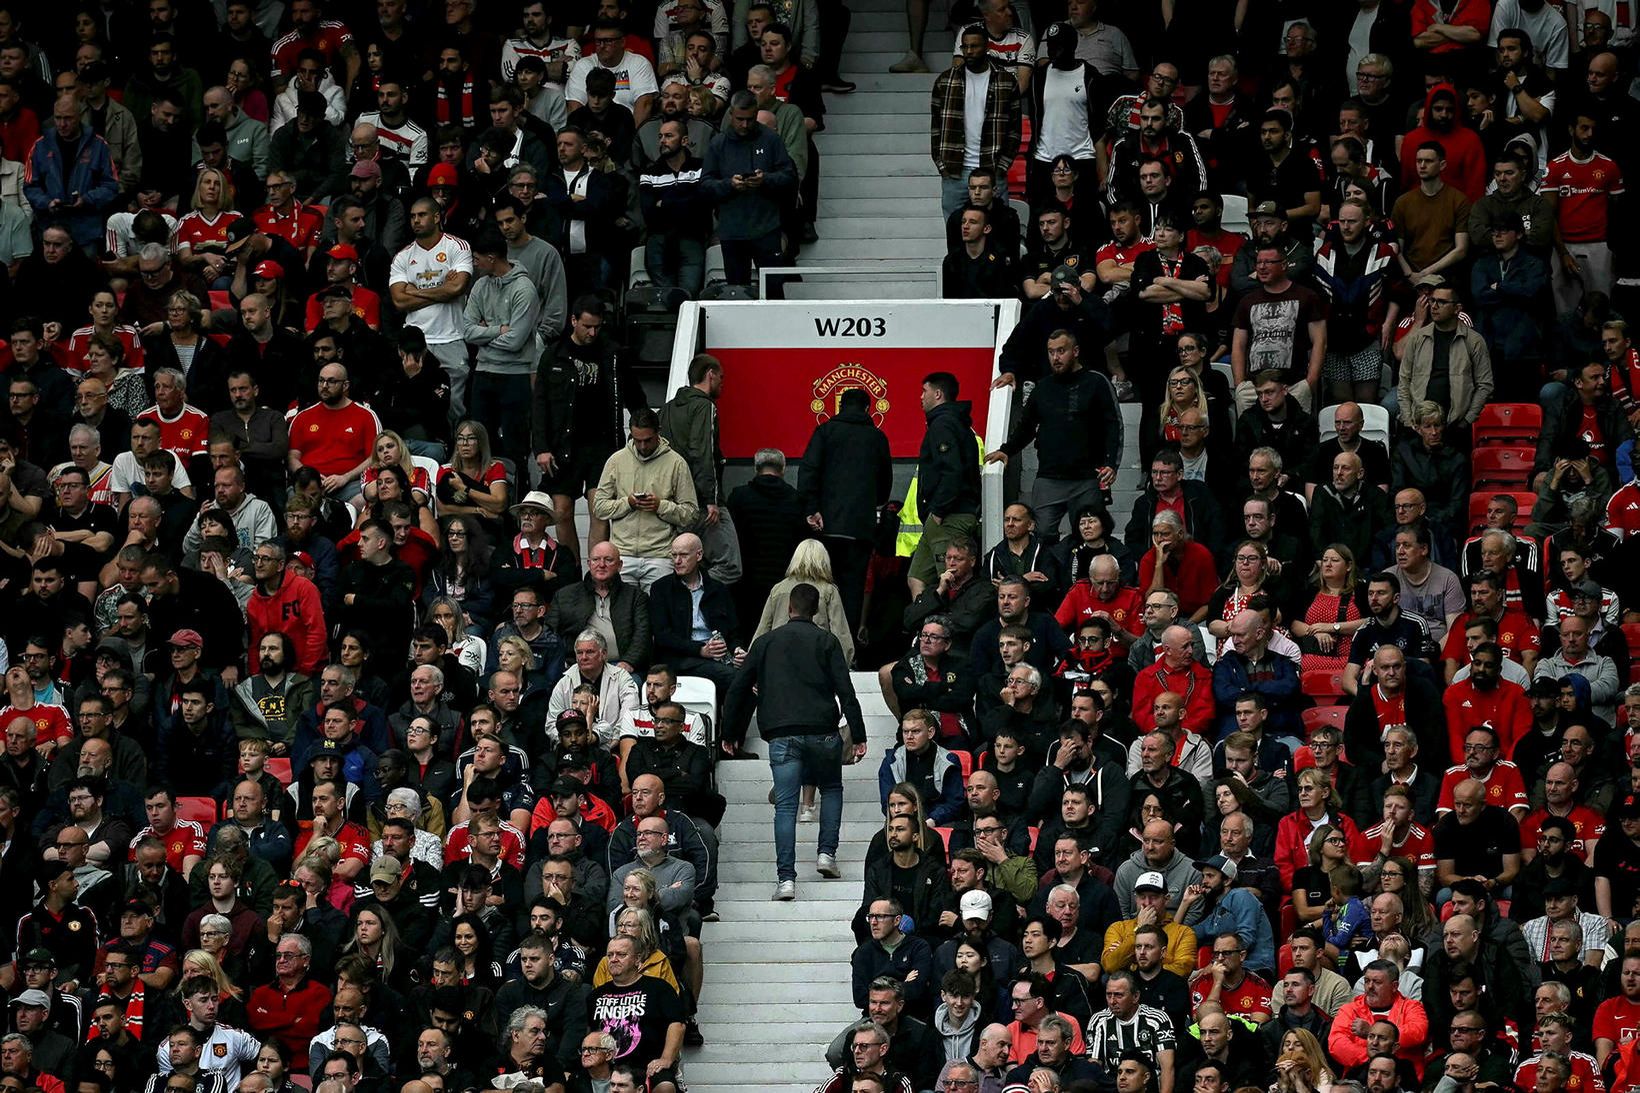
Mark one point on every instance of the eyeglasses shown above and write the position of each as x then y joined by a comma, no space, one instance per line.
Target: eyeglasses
594,1051
933,635
880,918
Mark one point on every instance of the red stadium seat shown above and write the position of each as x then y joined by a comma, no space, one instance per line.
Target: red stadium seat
1631,631
1316,716
1501,468
945,836
1523,508
1284,959
199,809
279,768
1035,831
1016,171
1319,683
220,300
1508,423
965,760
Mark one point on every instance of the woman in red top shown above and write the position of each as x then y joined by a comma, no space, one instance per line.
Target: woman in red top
202,235
390,449
474,483
1318,807
1337,610
1177,563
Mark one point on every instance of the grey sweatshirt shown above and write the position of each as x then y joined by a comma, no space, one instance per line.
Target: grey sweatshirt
508,300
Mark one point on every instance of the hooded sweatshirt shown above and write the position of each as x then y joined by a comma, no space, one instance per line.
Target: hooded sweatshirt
959,1039
1466,166
507,300
665,474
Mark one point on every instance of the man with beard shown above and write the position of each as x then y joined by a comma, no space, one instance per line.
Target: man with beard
1462,150
1158,139
1581,185
1284,175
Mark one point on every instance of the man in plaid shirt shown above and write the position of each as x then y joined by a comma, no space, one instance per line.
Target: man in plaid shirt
958,146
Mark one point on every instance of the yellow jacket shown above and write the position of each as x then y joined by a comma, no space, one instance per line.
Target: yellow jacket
1180,957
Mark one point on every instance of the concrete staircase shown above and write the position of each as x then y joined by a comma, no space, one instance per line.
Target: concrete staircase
879,192
777,974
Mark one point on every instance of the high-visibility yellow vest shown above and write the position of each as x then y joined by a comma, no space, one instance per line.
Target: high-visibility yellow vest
911,529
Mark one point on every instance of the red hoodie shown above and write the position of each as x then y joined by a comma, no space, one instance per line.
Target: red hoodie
1466,167
295,609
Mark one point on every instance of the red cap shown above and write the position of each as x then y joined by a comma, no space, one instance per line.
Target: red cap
270,270
343,250
442,174
304,558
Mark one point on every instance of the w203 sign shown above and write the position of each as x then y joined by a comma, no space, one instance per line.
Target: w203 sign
788,365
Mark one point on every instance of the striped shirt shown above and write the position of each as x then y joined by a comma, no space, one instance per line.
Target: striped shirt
1149,1030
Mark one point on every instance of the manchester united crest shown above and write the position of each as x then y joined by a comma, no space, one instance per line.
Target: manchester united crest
829,388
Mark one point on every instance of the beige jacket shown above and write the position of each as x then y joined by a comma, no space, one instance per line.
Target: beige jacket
635,532
777,608
1469,367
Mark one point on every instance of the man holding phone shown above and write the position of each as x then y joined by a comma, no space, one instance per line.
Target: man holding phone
748,173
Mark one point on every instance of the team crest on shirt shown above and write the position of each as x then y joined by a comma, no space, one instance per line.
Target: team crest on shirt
1506,636
440,256
220,1050
829,389
1071,260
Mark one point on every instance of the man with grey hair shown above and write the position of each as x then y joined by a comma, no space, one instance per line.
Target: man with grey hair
749,175
85,452
618,700
864,1048
990,1058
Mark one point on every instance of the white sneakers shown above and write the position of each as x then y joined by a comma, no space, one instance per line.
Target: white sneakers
785,891
826,866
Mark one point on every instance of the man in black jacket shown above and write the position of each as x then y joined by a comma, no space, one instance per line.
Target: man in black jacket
1073,417
377,591
672,613
768,517
947,478
804,665
846,478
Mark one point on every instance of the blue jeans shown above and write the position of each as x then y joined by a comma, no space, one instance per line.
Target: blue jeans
815,760
953,194
675,263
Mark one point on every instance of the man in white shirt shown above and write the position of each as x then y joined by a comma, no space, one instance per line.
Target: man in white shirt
428,282
635,85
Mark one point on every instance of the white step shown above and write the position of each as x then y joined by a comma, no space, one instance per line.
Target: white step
839,123
899,187
883,248
787,1069
822,989
795,1012
741,950
752,1039
833,146
911,227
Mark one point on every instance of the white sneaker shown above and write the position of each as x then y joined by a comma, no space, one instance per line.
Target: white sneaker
826,866
808,814
785,891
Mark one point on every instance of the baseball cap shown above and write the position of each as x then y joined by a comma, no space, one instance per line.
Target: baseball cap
187,639
324,749
566,787
1151,880
974,905
1064,275
33,997
304,558
270,270
343,250
442,174
137,907
1270,209
385,868
1627,809
572,715
366,168
1588,588
1221,863
39,956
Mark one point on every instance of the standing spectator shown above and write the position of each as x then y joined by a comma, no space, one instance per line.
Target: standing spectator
1580,186
70,178
1510,287
675,214
1285,173
804,665
1355,265
1073,417
961,143
428,280
582,384
947,478
1280,326
499,322
1460,147
1445,362
646,494
1068,119
845,481
749,175
1433,217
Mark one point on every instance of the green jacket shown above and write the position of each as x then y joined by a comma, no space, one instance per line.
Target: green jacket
690,424
1016,876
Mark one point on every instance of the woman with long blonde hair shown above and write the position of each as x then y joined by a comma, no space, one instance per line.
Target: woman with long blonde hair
1301,1065
810,564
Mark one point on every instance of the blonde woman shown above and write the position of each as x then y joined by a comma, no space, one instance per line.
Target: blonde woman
639,925
202,236
391,450
810,564
1301,1067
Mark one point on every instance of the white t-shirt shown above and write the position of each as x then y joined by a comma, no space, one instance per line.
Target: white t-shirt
575,182
1014,49
421,268
407,142
1064,116
1622,13
634,78
127,473
1551,47
976,86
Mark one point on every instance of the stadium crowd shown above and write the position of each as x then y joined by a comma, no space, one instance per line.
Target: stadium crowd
336,759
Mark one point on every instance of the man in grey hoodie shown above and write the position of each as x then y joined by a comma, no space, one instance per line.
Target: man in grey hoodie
499,321
748,173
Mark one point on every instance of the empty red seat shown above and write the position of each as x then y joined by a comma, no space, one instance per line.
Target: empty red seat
1316,716
1502,467
201,810
1508,423
1321,683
